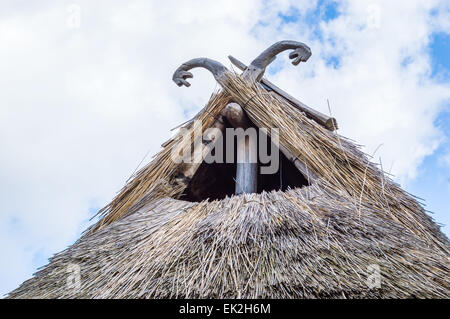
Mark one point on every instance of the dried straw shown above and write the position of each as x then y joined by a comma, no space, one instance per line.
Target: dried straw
161,170
302,243
333,158
313,242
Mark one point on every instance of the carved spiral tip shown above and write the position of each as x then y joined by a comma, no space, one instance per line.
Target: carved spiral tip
180,77
182,73
300,55
181,82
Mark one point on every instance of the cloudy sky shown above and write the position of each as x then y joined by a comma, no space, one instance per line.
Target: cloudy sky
86,93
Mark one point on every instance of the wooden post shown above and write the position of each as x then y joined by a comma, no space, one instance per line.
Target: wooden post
247,164
246,170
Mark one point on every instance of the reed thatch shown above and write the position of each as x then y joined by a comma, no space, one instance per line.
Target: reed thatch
317,241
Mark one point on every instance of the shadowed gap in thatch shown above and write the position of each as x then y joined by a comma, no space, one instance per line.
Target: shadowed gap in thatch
216,180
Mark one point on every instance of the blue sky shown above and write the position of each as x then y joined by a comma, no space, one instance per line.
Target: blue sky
432,183
99,96
433,180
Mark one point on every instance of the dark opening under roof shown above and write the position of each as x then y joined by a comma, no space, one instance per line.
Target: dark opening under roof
217,180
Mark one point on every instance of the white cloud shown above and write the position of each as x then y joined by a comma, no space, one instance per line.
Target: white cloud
375,97
81,106
444,159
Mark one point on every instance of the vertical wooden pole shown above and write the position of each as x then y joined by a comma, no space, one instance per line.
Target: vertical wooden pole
247,164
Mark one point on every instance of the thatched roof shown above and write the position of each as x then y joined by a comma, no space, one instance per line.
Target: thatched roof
314,241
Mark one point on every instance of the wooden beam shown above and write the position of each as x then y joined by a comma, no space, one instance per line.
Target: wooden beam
309,175
328,122
246,166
